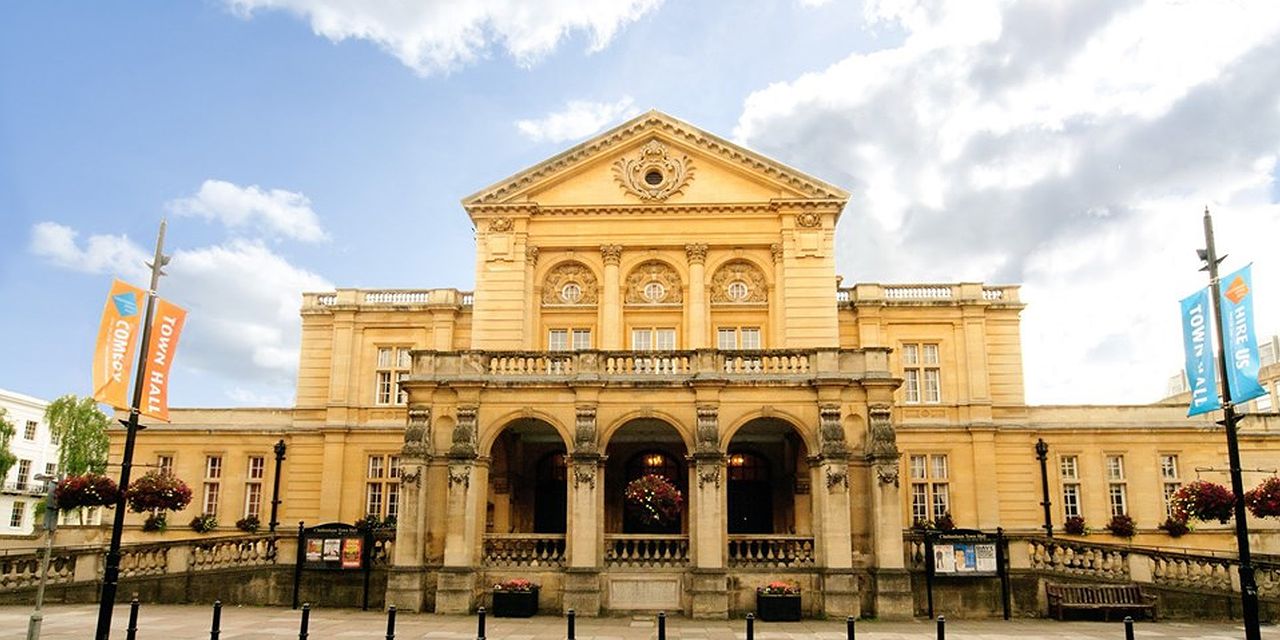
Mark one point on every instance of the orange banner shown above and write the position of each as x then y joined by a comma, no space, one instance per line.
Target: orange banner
166,326
117,337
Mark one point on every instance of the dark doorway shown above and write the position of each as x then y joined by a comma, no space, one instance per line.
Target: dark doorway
656,463
750,495
550,495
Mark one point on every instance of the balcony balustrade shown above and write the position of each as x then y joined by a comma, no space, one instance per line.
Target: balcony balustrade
770,551
524,550
645,550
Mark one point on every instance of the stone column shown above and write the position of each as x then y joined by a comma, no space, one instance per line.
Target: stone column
777,302
697,309
710,587
531,301
831,502
893,584
406,582
456,585
610,301
582,576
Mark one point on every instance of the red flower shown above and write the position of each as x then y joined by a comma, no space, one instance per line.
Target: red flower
157,491
780,588
88,490
1203,500
515,584
653,499
1264,500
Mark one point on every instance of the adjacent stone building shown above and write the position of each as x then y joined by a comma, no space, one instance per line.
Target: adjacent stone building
36,452
658,300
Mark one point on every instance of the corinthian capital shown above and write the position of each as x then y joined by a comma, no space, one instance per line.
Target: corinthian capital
697,253
612,253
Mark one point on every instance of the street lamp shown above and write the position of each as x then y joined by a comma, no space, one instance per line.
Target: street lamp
275,487
50,525
1042,454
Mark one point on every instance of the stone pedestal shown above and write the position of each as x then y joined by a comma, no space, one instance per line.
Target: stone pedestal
582,591
455,590
411,589
841,594
893,597
710,591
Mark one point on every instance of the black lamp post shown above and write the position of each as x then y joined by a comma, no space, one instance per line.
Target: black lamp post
275,487
1042,454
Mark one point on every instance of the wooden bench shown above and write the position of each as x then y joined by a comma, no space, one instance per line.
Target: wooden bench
1120,598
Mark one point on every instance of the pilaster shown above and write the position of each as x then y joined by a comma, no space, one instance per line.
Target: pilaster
893,596
455,591
696,326
611,303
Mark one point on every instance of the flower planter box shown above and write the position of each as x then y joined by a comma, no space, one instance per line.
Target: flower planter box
778,607
515,604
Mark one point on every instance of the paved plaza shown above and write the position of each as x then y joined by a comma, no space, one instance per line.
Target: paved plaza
168,622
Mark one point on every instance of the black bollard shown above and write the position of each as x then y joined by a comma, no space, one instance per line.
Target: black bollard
570,615
306,621
1128,628
216,629
848,623
942,628
662,625
132,632
480,623
391,622
751,626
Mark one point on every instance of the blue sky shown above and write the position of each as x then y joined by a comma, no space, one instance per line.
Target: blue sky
299,144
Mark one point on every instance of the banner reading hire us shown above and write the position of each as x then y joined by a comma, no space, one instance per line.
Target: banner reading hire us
1199,353
1239,340
117,337
166,326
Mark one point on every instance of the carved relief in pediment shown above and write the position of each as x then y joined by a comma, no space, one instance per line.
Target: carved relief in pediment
739,281
570,283
653,173
653,282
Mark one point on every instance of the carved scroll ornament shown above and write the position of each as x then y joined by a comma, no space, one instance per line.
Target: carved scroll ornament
570,283
641,283
737,282
653,173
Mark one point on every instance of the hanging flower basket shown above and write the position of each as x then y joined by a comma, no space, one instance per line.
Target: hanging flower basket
1203,500
1075,526
204,523
1122,526
157,491
1264,500
654,500
88,490
1174,527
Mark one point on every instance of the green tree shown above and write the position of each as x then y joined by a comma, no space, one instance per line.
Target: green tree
82,428
7,459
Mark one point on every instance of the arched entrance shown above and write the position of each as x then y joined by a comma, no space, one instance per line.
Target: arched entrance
527,487
770,513
641,447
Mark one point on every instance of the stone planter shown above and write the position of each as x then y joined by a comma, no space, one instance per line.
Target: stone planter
778,607
515,604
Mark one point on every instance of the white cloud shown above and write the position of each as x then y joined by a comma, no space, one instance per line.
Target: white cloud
243,300
434,36
114,255
577,120
1067,145
283,212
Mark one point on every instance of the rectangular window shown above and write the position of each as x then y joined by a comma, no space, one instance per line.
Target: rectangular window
653,339
382,485
50,469
581,339
1070,500
1117,492
164,462
930,491
1263,403
24,474
726,338
558,340
54,438
1171,481
393,366
1069,470
922,377
212,486
733,338
16,516
29,433
256,470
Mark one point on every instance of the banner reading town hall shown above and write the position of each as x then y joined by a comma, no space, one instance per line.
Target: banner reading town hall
166,326
1199,353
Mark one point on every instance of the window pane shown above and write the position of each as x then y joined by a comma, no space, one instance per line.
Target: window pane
384,388
373,502
941,500
384,358
919,503
1116,494
1115,467
1070,467
403,359
213,467
29,433
1170,488
1071,500
558,340
375,466
910,354
666,339
15,517
918,470
393,500
252,499
751,338
931,354
911,386
581,338
932,391
641,339
726,338
939,467
257,464
210,501
1169,467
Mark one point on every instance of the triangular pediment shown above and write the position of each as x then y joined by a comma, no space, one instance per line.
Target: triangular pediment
650,160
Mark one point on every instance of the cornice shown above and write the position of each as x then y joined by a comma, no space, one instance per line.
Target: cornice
650,122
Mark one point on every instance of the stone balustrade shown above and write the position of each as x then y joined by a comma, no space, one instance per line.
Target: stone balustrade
625,367
958,293
646,550
770,551
376,298
524,550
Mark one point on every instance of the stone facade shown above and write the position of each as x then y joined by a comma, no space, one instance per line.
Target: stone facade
660,301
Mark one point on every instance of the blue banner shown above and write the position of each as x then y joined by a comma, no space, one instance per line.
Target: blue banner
1199,352
1239,340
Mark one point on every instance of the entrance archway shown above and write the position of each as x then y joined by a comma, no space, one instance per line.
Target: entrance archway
767,480
644,446
528,492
